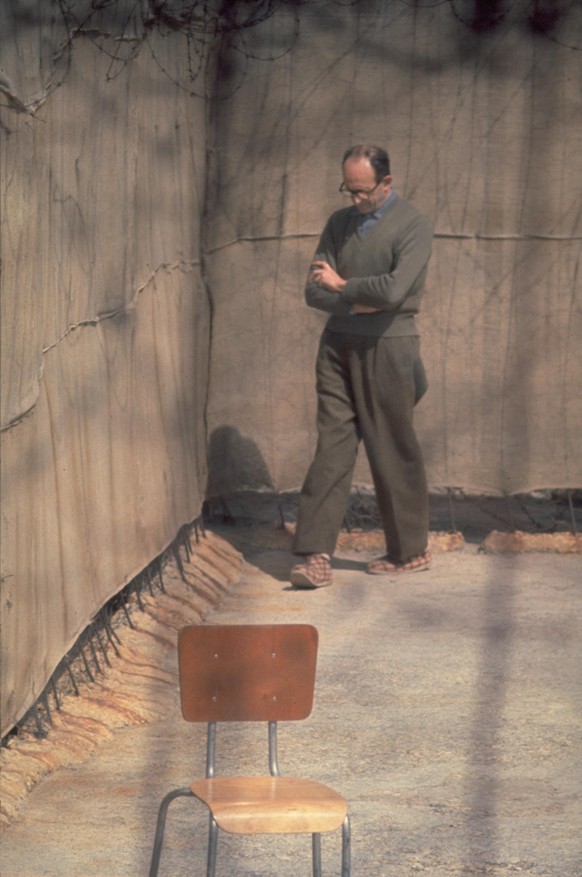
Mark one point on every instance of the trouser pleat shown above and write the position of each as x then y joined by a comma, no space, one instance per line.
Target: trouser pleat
366,390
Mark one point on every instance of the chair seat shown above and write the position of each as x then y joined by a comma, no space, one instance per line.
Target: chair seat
271,805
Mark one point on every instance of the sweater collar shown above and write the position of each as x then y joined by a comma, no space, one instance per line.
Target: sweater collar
366,221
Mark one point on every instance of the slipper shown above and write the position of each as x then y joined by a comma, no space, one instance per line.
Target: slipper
314,572
386,566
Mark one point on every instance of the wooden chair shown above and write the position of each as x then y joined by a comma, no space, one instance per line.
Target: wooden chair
253,673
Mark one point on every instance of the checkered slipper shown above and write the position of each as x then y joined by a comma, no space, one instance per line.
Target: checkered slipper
313,572
386,566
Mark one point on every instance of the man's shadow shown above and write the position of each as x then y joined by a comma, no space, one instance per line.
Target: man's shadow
235,464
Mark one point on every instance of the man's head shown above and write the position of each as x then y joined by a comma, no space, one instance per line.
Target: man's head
367,180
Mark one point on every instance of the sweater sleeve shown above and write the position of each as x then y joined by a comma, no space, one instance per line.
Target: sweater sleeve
387,291
318,297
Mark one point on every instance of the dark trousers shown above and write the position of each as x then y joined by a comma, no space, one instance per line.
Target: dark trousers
366,390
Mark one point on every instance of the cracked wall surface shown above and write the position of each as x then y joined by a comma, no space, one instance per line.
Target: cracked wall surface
105,332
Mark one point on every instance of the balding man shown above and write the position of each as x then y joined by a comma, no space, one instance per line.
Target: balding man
368,273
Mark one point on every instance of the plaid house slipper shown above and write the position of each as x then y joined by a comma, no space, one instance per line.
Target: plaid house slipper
386,566
313,572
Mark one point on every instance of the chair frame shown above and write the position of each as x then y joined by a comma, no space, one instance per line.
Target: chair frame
273,756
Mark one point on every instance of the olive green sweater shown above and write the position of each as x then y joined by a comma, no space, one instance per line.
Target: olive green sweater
385,269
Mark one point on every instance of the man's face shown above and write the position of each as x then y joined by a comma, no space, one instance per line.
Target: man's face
361,185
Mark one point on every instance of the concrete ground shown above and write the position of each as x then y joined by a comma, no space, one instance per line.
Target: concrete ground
448,712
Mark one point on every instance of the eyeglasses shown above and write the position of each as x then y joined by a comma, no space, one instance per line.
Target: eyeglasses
357,193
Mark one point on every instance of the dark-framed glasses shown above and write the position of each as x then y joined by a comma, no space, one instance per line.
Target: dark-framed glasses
357,193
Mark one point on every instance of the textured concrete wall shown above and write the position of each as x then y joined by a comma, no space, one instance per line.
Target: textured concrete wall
105,330
478,117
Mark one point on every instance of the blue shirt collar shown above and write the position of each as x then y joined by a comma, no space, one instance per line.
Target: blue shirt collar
366,221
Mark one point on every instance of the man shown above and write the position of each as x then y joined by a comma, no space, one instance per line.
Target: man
368,273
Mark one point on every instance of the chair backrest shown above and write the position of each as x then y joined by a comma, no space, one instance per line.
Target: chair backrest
247,672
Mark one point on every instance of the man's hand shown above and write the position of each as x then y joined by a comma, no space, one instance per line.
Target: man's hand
324,275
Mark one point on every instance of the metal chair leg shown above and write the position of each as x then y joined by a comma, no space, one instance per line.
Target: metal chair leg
212,847
346,848
316,854
161,826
